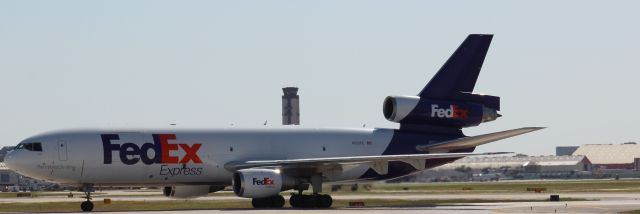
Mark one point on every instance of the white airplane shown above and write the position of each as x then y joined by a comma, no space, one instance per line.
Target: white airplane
261,163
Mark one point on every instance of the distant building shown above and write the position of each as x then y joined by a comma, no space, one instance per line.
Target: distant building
529,164
565,150
611,156
8,177
585,161
507,167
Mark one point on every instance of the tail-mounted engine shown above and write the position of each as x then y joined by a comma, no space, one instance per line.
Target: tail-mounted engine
459,114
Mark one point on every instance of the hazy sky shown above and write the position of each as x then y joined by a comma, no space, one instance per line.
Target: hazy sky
571,66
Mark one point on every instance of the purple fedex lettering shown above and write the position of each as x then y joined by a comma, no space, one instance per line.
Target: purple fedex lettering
127,150
264,181
107,147
130,153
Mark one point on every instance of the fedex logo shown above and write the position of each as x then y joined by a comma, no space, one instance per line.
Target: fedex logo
454,111
264,181
130,153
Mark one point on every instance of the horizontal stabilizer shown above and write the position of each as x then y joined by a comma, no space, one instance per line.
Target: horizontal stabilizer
468,142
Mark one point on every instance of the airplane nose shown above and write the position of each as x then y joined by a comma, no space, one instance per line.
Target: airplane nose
9,160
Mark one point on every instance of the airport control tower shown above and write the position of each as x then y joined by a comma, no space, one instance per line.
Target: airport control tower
290,106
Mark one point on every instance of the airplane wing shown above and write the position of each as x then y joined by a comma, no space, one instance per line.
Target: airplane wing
378,163
473,141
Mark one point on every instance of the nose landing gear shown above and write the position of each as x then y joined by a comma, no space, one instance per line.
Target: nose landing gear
87,206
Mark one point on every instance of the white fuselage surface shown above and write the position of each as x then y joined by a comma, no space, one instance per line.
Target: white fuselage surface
193,157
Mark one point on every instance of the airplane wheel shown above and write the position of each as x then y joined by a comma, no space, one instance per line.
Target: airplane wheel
259,203
277,201
87,206
323,201
308,201
295,201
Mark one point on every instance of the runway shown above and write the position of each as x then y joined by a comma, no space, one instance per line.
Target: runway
472,208
601,203
154,196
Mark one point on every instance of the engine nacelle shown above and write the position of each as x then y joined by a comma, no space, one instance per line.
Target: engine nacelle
416,110
191,191
260,183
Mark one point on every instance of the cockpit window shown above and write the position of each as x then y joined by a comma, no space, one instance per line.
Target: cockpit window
37,147
30,146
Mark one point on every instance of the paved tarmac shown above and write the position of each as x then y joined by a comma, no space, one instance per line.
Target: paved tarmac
154,196
472,208
604,203
517,207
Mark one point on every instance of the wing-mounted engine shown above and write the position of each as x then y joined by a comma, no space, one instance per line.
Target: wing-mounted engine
191,191
449,113
260,183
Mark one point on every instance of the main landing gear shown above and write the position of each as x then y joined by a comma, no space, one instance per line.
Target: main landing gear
314,200
87,206
276,201
298,200
310,201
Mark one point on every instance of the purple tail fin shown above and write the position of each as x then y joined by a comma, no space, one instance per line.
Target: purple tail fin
460,72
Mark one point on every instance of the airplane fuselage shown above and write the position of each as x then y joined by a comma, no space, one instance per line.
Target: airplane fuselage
198,157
